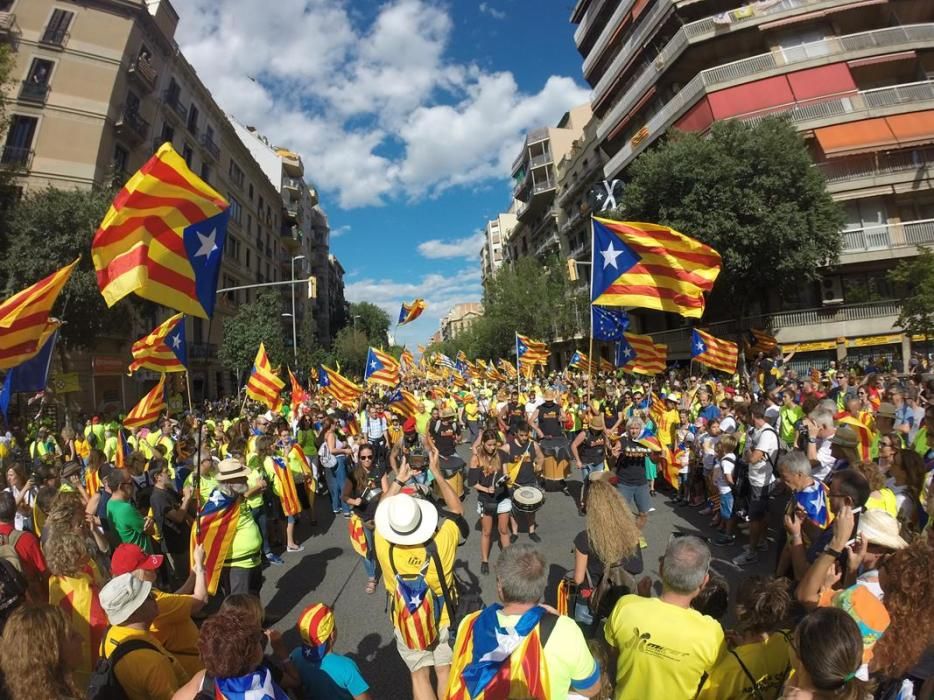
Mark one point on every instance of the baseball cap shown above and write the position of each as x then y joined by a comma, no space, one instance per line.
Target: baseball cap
128,557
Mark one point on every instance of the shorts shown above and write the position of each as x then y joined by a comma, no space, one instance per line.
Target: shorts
759,501
503,506
726,505
440,653
638,497
588,469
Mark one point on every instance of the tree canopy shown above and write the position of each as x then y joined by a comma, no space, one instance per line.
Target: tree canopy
254,323
749,191
350,350
916,274
372,321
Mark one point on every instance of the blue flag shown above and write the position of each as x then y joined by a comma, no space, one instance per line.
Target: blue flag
608,323
31,376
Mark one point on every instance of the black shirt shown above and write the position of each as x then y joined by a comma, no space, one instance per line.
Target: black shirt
595,567
591,450
548,419
444,436
476,476
630,466
524,452
175,536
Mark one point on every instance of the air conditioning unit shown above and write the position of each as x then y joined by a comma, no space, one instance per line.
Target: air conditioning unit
831,291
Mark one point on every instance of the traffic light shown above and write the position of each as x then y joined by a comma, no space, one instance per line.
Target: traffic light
572,270
312,287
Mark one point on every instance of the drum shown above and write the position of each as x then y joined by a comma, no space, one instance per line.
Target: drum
556,467
456,480
452,465
528,499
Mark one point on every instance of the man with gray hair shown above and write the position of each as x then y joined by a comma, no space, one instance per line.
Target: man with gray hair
516,632
821,429
664,647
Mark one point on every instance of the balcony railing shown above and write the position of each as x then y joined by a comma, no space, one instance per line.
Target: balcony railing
607,32
31,91
8,23
543,159
55,37
535,136
903,234
292,183
890,37
545,186
144,72
876,165
133,125
207,142
174,102
16,156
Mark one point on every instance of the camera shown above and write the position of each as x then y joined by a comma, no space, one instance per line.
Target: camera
417,458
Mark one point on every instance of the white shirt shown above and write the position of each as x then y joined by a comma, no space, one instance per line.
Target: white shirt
724,468
728,425
764,439
771,414
825,460
374,427
20,521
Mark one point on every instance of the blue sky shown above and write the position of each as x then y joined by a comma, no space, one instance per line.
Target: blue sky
407,113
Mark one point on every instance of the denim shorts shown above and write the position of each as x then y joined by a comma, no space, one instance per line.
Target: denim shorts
726,505
638,497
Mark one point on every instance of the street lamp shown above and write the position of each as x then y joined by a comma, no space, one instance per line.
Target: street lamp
294,332
355,317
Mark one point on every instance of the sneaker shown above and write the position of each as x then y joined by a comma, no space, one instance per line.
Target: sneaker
706,511
484,568
642,543
651,510
335,510
534,537
763,546
347,515
296,548
723,540
274,559
746,558
513,538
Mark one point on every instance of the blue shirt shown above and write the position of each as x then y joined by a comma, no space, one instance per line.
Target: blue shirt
335,676
709,412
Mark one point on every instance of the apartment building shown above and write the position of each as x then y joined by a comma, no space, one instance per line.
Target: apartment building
99,86
497,232
338,306
854,76
535,182
460,318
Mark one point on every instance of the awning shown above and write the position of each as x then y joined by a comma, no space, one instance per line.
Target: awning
874,340
913,128
809,347
855,137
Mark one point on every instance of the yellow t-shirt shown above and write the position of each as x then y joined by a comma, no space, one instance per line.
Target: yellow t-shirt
885,502
145,674
471,410
768,662
247,542
664,649
409,559
176,631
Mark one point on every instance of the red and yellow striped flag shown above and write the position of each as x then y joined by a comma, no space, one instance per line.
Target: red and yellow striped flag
218,525
531,351
264,384
162,238
24,318
288,493
639,354
298,393
402,402
338,386
357,536
407,361
579,360
863,433
606,366
78,597
409,312
148,409
714,352
381,368
164,349
651,267
507,368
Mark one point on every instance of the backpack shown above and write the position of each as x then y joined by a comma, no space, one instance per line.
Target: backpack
8,549
104,684
415,609
613,585
327,460
759,689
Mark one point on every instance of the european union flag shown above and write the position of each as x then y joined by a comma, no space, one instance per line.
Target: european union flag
30,376
608,323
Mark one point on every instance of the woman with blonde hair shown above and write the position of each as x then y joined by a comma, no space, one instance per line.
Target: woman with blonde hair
487,470
610,539
39,650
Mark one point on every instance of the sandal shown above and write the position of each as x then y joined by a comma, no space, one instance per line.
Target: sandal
371,586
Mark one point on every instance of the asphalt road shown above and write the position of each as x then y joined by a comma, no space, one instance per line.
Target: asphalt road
329,571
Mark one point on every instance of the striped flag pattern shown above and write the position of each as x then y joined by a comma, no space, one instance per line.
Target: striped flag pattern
410,312
298,394
78,597
357,536
407,361
532,351
164,349
579,360
650,266
714,352
337,386
863,433
218,525
122,455
639,354
148,409
760,341
288,494
402,402
381,368
162,238
264,384
606,366
507,368
24,318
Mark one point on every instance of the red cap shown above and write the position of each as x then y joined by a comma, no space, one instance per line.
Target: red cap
409,426
95,420
129,557
729,391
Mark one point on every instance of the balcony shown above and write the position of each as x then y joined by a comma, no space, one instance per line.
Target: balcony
855,172
886,241
607,33
535,136
132,127
16,157
313,196
202,351
143,72
292,233
173,101
291,162
31,91
294,212
293,184
207,143
9,29
540,160
755,67
54,38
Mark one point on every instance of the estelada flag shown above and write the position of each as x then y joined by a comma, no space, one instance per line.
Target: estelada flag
24,318
531,351
410,312
357,536
264,384
402,402
288,493
122,455
651,267
338,386
149,407
218,525
381,368
639,354
579,360
714,352
298,393
297,455
163,238
407,360
164,349
507,368
78,597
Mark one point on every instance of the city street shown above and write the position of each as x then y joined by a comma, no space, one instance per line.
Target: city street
329,571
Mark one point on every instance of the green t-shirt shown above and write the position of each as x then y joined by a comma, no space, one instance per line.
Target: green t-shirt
128,524
247,542
421,422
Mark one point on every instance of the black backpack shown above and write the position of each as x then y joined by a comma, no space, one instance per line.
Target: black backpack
613,585
104,684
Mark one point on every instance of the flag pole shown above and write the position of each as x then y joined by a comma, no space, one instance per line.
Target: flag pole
196,481
518,372
593,272
188,387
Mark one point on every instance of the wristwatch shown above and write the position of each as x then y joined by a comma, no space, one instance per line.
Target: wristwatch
832,552
812,441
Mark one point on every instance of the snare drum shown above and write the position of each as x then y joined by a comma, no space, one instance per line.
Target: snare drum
456,480
528,499
452,465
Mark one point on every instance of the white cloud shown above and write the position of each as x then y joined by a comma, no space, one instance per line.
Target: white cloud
487,9
468,247
378,111
340,231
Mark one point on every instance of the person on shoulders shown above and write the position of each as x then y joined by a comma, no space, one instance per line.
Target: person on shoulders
325,673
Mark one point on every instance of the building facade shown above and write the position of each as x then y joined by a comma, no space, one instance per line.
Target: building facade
497,232
99,86
338,306
460,318
856,79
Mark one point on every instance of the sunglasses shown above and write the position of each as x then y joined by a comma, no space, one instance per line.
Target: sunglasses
368,458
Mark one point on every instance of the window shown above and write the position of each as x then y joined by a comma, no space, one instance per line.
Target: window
236,212
132,103
248,255
188,154
251,192
168,133
206,172
121,157
198,329
236,174
193,120
249,224
19,138
40,72
56,31
209,134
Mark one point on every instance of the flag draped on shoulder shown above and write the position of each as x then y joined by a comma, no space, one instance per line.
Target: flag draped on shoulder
639,354
381,368
148,409
164,349
608,323
218,517
410,312
531,351
24,318
714,352
163,238
264,384
287,491
650,266
337,386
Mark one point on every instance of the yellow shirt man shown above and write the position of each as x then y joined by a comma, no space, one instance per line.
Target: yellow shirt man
145,674
767,663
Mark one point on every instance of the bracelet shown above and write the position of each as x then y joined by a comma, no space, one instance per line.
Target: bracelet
198,571
812,441
397,481
832,552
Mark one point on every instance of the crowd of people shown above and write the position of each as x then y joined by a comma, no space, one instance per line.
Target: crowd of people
109,583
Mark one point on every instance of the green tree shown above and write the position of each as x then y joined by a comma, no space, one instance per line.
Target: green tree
370,320
46,230
749,191
253,324
350,350
916,274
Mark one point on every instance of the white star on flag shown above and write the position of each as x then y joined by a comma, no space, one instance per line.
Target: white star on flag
208,244
176,341
505,645
699,345
610,255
